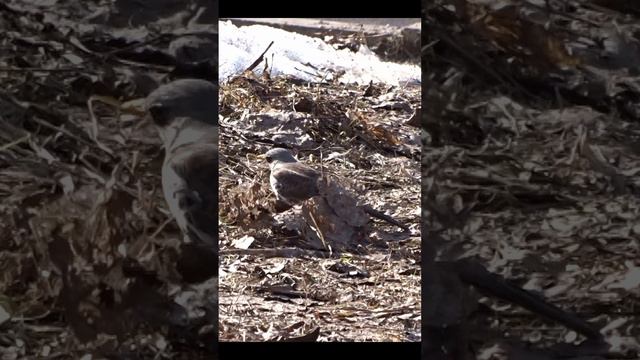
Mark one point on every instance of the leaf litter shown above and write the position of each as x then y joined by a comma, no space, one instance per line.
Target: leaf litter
531,161
86,239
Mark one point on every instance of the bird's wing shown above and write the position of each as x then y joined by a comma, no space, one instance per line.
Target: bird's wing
296,181
190,182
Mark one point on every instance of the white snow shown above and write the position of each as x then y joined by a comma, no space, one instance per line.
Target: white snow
292,53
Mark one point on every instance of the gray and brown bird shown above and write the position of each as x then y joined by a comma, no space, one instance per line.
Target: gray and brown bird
185,114
291,181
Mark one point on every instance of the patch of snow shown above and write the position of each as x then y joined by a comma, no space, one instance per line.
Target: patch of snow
304,57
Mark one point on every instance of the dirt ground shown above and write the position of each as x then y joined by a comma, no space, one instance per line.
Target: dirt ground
276,283
531,164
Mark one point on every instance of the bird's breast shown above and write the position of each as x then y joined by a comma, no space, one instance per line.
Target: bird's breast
172,186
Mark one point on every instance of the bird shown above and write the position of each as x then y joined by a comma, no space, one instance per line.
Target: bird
293,182
185,114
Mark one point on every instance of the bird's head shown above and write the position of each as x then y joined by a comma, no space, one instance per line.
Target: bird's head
278,155
185,98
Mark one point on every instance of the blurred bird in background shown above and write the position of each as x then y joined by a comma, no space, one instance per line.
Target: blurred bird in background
185,114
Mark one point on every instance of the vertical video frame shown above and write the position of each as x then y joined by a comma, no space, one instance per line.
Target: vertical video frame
319,180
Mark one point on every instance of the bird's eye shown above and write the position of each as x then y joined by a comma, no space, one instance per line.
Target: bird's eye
158,114
269,158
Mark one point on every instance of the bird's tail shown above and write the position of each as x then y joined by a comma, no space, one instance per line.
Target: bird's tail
491,284
382,216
